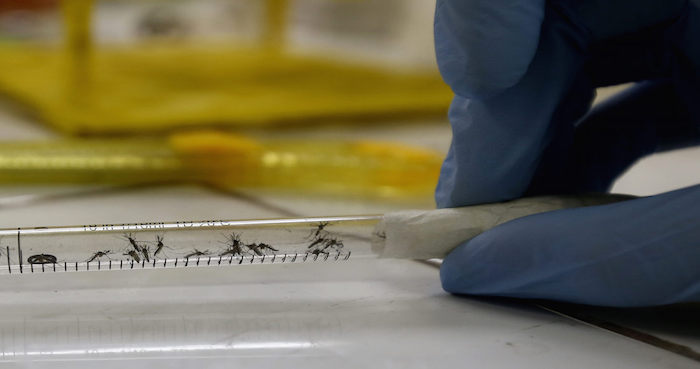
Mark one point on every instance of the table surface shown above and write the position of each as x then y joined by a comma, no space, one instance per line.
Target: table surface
381,313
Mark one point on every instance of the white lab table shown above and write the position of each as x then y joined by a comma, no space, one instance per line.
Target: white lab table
347,315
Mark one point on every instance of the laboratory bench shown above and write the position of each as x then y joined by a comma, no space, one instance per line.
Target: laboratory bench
354,314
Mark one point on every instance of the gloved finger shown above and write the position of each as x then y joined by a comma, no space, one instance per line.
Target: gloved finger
497,141
647,118
485,46
613,18
641,252
653,116
652,53
520,141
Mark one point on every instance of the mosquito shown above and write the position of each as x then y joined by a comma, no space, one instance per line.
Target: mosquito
197,253
319,230
133,242
134,255
159,245
99,254
316,242
234,245
322,244
259,248
144,252
320,252
335,244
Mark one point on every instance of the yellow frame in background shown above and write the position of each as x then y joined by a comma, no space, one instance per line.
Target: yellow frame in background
86,90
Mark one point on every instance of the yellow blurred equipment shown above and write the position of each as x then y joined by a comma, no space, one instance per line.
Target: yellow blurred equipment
81,88
330,167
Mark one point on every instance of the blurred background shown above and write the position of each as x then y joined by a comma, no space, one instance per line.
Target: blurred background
334,98
123,67
391,31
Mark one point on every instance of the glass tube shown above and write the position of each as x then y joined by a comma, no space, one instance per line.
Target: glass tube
185,244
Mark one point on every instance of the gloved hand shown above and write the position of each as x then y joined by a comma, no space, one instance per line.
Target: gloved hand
524,74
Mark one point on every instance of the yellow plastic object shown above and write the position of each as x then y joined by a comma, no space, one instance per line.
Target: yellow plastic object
85,89
276,23
157,89
345,168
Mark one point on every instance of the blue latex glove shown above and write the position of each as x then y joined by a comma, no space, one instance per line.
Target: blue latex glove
524,73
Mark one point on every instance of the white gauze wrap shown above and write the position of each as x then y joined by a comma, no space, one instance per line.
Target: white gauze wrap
428,234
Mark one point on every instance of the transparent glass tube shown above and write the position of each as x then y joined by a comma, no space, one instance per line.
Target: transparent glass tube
186,244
